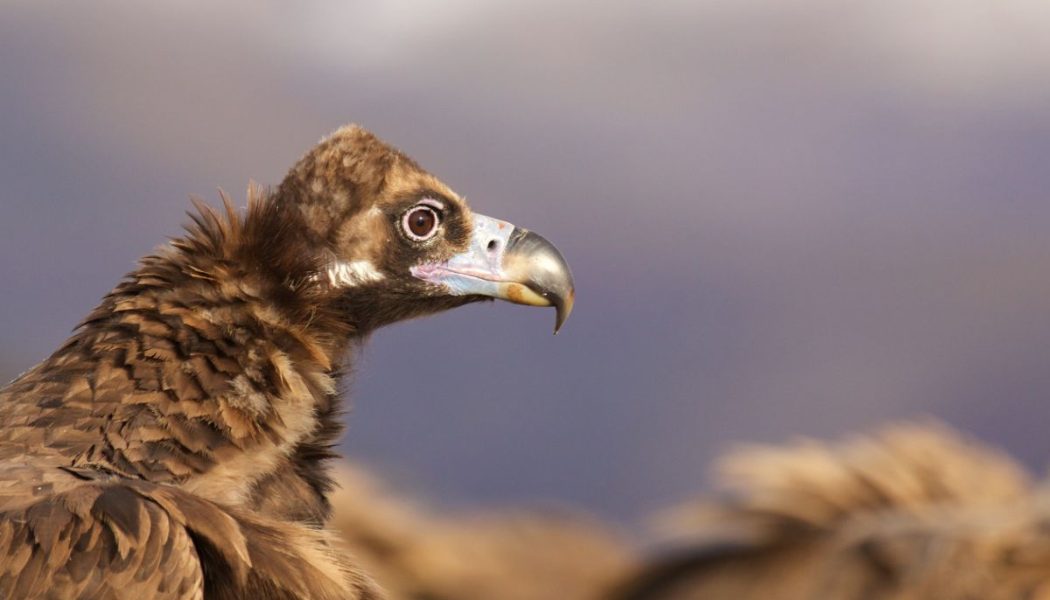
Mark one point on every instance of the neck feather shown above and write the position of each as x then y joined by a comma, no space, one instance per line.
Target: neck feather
214,363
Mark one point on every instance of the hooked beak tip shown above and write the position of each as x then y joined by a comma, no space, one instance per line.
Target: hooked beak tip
537,264
563,308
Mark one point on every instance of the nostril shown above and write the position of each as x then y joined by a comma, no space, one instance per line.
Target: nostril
493,245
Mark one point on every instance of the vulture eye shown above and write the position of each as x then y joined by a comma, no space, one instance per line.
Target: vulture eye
420,223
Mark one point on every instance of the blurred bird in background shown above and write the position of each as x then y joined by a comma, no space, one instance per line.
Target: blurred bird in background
905,513
418,552
909,512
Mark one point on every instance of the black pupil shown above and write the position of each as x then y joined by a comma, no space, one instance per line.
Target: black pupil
421,221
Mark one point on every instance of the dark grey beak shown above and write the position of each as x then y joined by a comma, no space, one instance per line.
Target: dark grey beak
534,262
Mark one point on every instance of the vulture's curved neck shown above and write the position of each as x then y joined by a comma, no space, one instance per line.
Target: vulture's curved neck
262,269
214,360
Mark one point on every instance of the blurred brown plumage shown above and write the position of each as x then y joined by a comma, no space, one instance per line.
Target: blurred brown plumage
913,511
417,552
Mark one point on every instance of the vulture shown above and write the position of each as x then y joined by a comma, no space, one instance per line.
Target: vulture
913,511
176,445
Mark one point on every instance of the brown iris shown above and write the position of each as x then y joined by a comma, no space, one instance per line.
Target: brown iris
420,223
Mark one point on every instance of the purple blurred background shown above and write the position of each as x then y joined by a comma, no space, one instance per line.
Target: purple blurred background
784,217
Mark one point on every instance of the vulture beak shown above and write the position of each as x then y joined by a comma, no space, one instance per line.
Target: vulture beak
509,263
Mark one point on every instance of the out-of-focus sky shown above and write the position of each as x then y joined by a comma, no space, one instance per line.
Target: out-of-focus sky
784,218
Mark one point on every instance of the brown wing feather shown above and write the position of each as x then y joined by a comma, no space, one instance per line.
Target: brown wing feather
82,533
69,537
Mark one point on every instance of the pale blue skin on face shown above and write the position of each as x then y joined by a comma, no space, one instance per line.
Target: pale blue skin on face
479,270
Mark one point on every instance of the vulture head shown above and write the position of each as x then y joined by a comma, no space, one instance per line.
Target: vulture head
378,239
